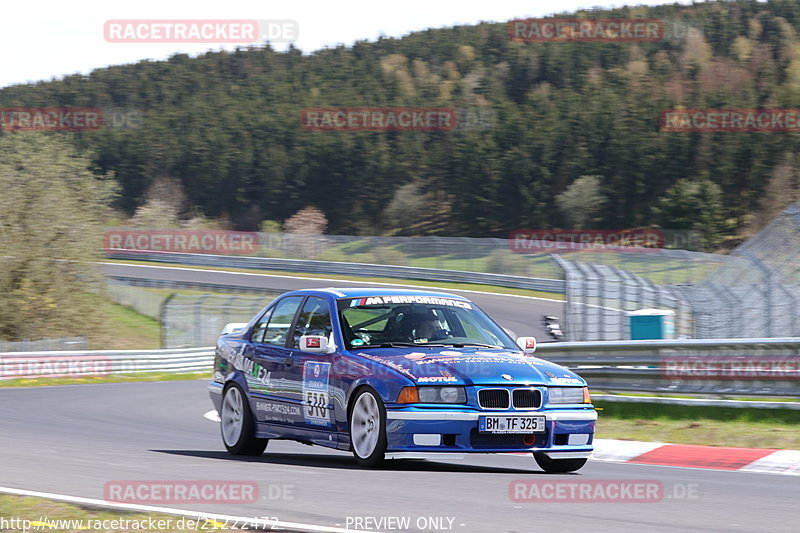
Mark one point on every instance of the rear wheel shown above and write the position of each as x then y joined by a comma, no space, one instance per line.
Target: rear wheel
368,429
237,425
558,466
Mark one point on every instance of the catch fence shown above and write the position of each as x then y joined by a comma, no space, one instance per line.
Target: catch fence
189,320
752,293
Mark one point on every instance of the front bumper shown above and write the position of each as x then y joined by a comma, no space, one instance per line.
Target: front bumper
215,393
568,433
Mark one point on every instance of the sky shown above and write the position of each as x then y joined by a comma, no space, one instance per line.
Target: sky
42,40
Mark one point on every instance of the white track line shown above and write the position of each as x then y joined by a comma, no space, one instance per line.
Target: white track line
621,451
364,283
212,415
262,524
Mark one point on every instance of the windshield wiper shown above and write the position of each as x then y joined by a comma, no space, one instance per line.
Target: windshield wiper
478,344
394,344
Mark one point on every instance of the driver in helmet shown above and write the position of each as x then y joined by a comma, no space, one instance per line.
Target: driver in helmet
426,327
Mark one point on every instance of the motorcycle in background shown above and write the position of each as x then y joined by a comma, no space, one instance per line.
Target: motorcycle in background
553,327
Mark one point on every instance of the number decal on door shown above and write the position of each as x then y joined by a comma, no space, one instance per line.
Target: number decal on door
315,393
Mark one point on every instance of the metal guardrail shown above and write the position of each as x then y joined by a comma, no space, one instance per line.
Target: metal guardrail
103,362
730,367
695,402
344,269
191,285
754,367
64,343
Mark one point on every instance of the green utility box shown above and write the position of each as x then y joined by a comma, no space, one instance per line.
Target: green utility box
652,324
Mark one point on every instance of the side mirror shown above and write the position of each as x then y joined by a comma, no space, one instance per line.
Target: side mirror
528,344
233,327
315,344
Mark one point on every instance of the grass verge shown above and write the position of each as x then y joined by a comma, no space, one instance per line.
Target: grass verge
128,330
33,514
709,426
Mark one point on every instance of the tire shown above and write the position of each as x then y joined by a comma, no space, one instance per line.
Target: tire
558,466
236,424
367,422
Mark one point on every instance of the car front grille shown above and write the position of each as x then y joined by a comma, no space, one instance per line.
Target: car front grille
502,398
493,399
527,398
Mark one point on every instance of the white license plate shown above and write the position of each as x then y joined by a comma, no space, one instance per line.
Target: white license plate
511,424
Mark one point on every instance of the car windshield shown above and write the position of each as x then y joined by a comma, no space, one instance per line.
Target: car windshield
418,320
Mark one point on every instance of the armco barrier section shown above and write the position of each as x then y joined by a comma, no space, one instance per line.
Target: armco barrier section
343,269
761,367
63,343
190,285
103,362
757,367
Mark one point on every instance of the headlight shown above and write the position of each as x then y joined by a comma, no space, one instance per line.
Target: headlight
568,395
442,394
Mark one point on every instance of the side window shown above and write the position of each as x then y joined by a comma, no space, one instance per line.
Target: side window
281,320
314,319
261,326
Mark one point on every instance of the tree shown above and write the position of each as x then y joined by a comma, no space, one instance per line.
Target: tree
409,205
782,189
305,229
582,201
51,213
226,125
694,206
307,220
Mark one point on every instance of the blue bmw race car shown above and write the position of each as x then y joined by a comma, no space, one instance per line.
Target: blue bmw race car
404,373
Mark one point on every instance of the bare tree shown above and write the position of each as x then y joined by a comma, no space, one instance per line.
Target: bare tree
306,228
307,220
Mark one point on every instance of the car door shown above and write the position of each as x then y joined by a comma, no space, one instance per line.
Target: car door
272,362
311,373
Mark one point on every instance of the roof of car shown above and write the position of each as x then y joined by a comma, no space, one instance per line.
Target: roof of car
362,292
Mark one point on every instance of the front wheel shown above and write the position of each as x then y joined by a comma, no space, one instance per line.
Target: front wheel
558,466
368,429
237,426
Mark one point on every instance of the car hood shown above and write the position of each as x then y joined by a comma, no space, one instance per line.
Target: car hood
470,366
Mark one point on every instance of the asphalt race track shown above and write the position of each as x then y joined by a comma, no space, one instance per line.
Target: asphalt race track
523,315
74,439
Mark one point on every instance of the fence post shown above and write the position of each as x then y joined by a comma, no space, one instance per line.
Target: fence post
569,323
163,319
767,276
198,320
